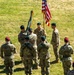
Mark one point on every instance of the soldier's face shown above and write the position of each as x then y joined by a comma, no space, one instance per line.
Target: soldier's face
39,26
53,27
22,30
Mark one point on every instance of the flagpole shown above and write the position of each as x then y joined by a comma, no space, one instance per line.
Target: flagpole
43,21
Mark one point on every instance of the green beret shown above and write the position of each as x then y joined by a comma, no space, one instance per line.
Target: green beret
53,24
38,23
43,38
22,27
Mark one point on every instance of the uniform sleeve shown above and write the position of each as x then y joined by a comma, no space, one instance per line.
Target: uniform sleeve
2,51
60,54
19,39
21,51
57,38
44,33
39,48
72,51
14,49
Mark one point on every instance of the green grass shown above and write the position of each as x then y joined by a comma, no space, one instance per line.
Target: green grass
14,13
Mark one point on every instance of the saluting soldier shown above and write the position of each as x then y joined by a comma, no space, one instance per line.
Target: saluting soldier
55,40
27,53
7,53
71,72
22,35
65,53
39,31
33,41
43,55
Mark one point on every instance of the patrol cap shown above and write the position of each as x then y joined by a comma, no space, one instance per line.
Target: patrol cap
22,27
38,23
53,24
7,39
43,38
30,29
27,38
66,39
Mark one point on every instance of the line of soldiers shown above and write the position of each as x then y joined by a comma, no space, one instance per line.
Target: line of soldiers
34,46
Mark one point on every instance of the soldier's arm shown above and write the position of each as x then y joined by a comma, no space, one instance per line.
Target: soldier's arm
60,54
21,51
14,49
57,38
38,49
2,52
72,51
44,33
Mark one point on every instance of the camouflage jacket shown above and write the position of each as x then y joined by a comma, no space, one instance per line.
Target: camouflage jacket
65,52
27,51
21,37
8,50
39,33
43,50
55,38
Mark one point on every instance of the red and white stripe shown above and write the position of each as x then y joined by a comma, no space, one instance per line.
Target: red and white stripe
46,11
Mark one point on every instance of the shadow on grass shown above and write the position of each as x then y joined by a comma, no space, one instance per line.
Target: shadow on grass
18,62
1,66
3,71
18,69
53,62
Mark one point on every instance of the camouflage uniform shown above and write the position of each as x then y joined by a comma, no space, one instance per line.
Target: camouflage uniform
33,41
27,53
65,56
21,37
39,32
44,57
71,72
55,42
7,52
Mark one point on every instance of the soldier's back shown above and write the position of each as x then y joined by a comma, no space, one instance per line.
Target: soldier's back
8,49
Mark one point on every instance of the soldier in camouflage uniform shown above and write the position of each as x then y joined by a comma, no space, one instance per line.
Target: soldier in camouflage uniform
65,55
22,35
7,53
33,41
39,31
27,53
43,55
71,72
55,40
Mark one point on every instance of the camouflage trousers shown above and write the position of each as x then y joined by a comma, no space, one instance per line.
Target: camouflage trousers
66,66
28,66
44,64
9,64
55,49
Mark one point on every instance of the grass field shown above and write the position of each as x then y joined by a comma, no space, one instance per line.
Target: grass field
14,13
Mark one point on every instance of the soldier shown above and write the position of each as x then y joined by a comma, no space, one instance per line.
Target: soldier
65,55
39,31
71,72
33,41
27,53
43,55
7,53
22,35
55,40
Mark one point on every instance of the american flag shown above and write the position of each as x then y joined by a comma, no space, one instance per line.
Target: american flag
46,11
